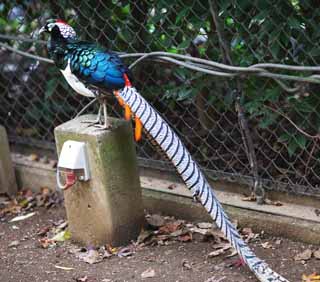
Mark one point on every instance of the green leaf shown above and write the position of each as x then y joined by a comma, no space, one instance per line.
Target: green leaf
62,236
294,23
182,73
314,52
275,48
292,147
301,141
229,21
272,94
185,44
51,87
283,138
182,14
185,94
259,19
126,9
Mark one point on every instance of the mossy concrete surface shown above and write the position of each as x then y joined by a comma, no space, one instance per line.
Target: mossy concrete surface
108,208
8,182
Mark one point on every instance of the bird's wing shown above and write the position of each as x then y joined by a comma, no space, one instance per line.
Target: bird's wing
96,66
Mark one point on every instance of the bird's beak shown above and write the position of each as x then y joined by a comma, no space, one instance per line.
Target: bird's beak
43,29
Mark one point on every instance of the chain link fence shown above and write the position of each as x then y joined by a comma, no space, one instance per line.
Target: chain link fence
283,126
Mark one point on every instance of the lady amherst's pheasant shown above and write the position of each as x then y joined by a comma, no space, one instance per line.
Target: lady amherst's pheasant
87,67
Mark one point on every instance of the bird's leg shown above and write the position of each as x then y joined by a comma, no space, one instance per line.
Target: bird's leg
98,119
105,124
95,121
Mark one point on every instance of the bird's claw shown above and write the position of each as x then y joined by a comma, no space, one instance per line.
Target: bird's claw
92,122
102,126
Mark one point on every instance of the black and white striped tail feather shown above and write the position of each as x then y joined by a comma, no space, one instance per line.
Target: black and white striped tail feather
188,169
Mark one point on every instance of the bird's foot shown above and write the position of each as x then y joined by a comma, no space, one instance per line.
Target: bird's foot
95,122
103,126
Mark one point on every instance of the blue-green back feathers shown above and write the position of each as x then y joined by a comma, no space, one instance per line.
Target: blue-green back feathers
95,65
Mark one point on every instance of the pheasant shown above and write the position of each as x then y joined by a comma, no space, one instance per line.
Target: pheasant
88,68
75,59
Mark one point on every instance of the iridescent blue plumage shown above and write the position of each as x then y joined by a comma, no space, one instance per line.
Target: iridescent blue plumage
87,67
95,65
89,62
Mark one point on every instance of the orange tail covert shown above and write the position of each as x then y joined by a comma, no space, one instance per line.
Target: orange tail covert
138,129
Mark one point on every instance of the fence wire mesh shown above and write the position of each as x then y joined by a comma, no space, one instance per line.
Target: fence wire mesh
284,127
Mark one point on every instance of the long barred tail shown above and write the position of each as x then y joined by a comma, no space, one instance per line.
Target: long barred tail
188,169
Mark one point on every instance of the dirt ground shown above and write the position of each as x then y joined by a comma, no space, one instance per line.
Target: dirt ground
25,260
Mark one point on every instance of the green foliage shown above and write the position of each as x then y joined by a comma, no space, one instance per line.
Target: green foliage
255,32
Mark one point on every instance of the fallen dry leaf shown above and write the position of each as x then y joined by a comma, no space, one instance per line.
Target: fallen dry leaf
124,252
22,217
278,242
266,245
246,231
274,203
249,234
232,254
317,254
172,186
216,253
63,267
219,251
144,236
186,264
82,279
46,243
311,278
149,273
43,231
170,227
250,198
204,225
178,232
14,244
305,255
91,257
185,238
214,279
33,157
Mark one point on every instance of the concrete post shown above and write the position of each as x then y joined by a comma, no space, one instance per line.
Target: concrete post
8,182
108,208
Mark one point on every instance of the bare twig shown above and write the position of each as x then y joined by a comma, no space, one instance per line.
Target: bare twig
223,45
232,70
317,136
26,54
307,167
286,67
23,39
244,128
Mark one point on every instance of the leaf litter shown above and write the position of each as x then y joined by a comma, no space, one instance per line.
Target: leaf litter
23,205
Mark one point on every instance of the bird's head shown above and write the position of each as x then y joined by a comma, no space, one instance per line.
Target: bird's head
58,28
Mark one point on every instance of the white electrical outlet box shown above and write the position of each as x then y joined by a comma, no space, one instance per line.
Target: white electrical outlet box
73,156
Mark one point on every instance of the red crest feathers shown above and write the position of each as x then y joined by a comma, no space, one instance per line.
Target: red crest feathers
60,21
